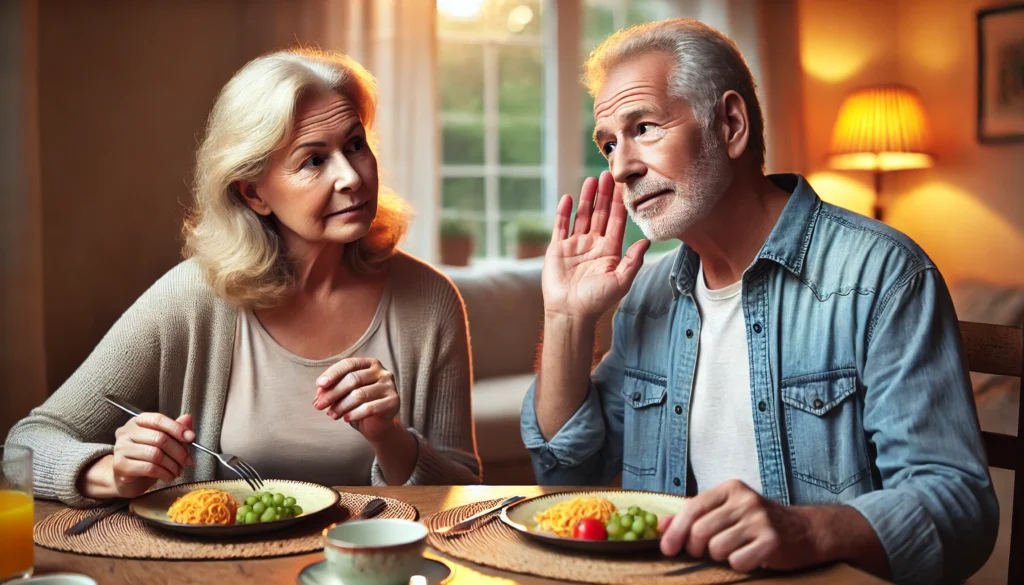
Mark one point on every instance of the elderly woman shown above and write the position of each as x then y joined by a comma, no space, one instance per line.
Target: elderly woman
295,336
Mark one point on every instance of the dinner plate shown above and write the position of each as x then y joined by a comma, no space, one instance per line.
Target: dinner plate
522,516
313,498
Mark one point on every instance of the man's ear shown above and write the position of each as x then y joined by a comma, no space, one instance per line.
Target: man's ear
734,123
248,192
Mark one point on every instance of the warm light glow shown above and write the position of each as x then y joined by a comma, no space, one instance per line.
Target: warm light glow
881,128
843,190
966,238
461,9
519,17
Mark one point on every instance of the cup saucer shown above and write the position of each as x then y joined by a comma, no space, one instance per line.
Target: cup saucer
435,572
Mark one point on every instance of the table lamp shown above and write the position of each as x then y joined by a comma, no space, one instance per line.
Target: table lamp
880,128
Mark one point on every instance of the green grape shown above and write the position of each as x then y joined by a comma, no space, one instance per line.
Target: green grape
279,511
245,510
268,500
614,529
239,518
268,515
650,533
651,519
251,500
626,521
288,502
634,510
278,499
287,511
639,525
259,507
252,518
629,536
297,510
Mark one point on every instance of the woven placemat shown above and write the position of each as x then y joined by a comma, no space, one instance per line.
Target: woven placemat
122,535
494,544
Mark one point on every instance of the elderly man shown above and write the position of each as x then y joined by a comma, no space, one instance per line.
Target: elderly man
795,367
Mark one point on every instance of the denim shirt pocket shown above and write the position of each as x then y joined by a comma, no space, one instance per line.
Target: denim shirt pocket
825,430
644,396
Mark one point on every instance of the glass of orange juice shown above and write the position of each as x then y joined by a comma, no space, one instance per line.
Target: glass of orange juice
15,512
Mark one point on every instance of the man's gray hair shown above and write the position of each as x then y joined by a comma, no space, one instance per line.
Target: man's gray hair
707,64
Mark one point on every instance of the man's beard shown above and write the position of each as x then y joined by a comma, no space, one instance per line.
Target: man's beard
691,200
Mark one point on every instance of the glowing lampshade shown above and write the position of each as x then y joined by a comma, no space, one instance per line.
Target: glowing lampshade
881,128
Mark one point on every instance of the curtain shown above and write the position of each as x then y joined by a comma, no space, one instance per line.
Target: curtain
396,41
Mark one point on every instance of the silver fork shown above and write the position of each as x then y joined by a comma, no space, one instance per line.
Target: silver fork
236,464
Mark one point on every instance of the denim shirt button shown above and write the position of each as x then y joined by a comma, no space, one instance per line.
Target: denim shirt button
689,333
757,327
818,403
679,409
762,406
676,482
636,397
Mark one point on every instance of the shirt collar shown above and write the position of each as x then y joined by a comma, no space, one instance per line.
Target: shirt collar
786,245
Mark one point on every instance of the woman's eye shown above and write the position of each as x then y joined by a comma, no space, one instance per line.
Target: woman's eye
357,144
314,161
643,127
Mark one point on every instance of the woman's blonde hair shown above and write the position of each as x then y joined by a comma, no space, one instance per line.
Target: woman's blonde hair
241,252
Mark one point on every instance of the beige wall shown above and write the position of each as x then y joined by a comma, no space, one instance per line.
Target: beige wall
968,211
125,87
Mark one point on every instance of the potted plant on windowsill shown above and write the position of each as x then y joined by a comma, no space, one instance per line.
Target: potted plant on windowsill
528,236
456,242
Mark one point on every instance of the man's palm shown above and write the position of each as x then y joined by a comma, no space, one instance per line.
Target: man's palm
585,273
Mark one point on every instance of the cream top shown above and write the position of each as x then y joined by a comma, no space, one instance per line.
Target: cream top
270,395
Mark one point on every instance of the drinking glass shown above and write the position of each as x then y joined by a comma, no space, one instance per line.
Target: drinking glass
16,558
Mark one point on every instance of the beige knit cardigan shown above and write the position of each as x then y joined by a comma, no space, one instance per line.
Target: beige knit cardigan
171,352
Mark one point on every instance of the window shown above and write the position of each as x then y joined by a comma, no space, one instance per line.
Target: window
600,19
491,79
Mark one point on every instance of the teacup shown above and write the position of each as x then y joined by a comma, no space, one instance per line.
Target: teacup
375,552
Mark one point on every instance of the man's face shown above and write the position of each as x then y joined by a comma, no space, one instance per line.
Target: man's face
672,170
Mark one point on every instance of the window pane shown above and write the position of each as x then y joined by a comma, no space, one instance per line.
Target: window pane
521,85
463,194
520,142
598,20
461,77
463,143
518,194
639,12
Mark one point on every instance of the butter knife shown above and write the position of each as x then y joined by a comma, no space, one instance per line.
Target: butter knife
468,522
87,523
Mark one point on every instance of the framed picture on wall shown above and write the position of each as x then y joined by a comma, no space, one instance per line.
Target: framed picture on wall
1001,74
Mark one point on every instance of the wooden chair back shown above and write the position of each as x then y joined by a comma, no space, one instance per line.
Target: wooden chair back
998,349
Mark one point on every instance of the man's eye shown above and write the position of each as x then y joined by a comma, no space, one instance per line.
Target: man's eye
643,127
608,148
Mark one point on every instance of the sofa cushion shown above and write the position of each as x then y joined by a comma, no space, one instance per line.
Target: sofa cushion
497,404
505,308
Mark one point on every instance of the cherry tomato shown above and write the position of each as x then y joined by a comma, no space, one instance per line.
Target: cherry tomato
590,529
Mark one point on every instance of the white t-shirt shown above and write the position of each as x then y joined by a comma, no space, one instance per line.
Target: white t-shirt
722,444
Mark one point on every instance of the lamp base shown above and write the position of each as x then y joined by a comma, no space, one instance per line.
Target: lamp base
878,196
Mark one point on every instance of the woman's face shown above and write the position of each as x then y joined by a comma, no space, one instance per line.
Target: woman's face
321,183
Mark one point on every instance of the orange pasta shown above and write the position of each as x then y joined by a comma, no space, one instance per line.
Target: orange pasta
207,506
562,517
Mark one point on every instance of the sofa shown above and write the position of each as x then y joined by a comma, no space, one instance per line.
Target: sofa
505,308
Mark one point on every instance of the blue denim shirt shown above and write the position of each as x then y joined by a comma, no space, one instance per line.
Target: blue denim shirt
858,385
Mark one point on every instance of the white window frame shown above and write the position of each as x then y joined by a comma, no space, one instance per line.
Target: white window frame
562,163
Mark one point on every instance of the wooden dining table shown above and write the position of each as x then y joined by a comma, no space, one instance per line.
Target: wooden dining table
284,570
